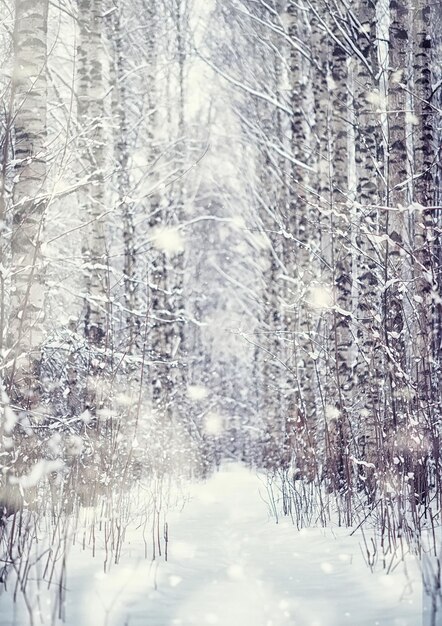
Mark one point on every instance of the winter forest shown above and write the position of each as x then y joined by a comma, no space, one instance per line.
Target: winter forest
220,312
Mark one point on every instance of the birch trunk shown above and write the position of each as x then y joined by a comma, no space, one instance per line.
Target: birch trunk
90,89
26,314
26,320
369,183
300,259
424,253
397,200
125,205
92,147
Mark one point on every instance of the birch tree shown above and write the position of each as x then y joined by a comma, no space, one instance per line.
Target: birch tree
92,140
29,97
91,91
26,131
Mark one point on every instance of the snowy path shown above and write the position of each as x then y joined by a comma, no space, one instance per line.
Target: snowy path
237,568
229,564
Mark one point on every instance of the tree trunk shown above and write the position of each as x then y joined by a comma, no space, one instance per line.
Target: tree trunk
397,201
90,113
29,104
90,75
26,315
125,204
369,368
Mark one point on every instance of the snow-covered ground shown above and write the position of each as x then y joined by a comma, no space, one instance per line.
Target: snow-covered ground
228,564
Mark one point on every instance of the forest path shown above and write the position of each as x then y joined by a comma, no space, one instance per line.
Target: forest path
229,565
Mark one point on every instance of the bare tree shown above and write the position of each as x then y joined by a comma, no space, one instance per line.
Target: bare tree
29,97
91,92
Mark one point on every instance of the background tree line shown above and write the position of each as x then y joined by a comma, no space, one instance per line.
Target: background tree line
221,237
343,107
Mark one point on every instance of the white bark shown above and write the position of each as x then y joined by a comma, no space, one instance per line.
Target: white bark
92,149
29,91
